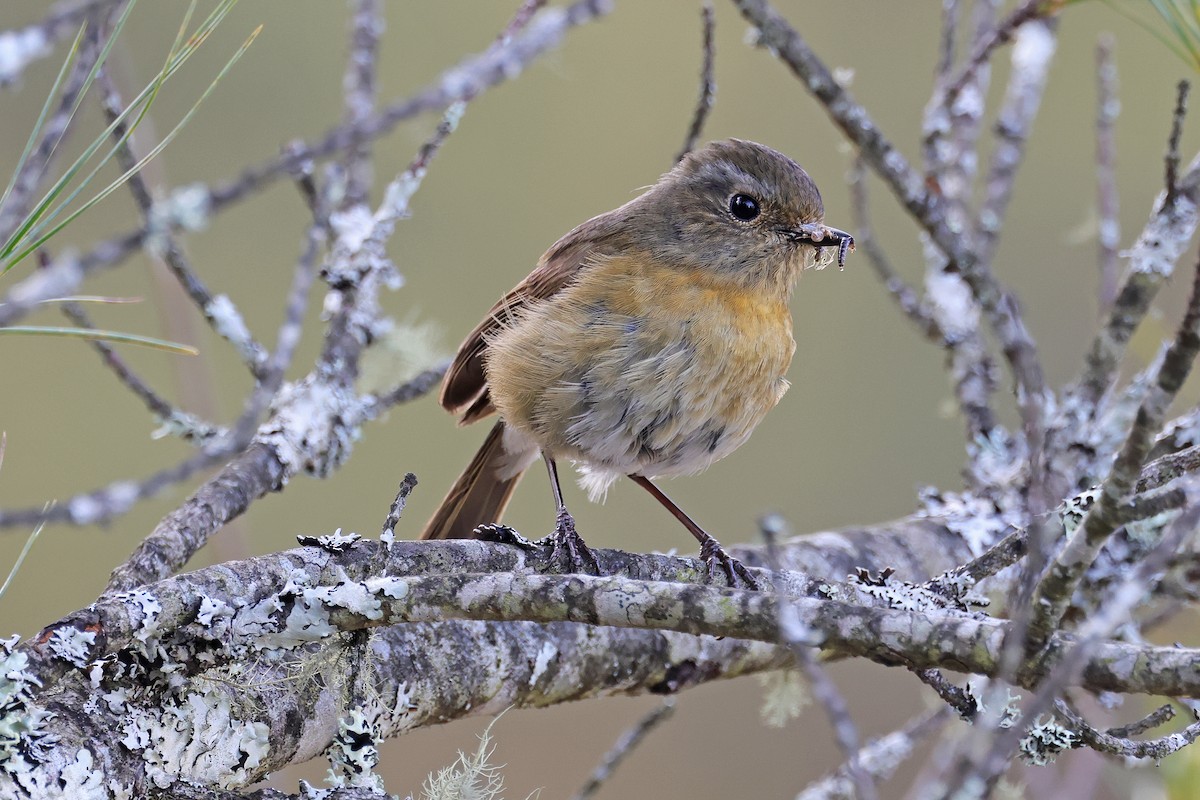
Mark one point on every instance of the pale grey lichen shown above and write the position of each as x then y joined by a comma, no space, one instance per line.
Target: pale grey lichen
471,776
71,644
785,696
149,607
309,428
980,521
336,542
212,609
188,427
354,754
1073,510
198,738
1044,740
228,322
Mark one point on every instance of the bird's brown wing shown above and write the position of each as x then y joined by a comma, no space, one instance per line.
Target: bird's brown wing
464,390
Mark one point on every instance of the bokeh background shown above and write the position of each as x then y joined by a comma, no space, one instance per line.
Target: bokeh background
869,418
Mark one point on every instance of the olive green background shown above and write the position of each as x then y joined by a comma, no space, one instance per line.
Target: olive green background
868,420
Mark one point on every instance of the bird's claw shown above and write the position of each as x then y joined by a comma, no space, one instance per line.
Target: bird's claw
567,548
735,571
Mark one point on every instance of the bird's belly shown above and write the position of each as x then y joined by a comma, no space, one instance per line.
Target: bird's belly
657,388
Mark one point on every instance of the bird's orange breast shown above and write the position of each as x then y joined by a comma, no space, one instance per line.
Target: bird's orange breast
641,368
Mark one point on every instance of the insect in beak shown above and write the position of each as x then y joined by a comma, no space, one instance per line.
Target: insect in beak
819,236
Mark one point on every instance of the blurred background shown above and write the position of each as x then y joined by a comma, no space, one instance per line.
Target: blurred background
869,418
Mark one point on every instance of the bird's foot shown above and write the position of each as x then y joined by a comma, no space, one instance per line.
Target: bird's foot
735,571
567,549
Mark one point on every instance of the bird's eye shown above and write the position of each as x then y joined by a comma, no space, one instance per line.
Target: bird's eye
744,207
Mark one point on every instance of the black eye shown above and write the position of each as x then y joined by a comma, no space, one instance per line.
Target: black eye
744,207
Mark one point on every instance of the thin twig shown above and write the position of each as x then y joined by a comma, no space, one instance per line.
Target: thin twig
101,505
519,20
1152,260
949,32
927,208
467,79
1169,467
28,181
880,756
1002,554
1108,233
1159,716
290,330
359,95
864,233
950,135
157,406
220,313
1171,159
823,688
955,697
998,36
623,747
1121,746
708,84
417,386
388,533
63,21
1059,583
1031,57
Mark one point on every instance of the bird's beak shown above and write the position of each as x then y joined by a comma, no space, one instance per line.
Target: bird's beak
820,235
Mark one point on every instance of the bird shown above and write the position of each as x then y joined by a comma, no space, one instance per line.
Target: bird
648,342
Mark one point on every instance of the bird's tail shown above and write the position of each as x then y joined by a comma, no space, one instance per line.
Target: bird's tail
480,495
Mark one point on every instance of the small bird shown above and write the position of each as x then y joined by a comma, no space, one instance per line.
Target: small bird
648,342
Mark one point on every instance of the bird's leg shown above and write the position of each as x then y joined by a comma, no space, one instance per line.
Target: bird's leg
565,543
710,549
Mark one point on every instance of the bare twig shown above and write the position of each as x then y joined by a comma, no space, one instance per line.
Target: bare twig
388,533
519,19
708,84
864,232
118,497
1031,57
28,180
1152,260
157,406
880,758
1108,233
949,30
219,311
1002,554
463,81
417,386
1159,716
359,95
38,39
797,637
955,697
1119,744
1171,159
1169,467
1056,587
275,367
621,749
927,208
997,36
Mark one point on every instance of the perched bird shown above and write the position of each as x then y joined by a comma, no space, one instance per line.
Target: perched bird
648,342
